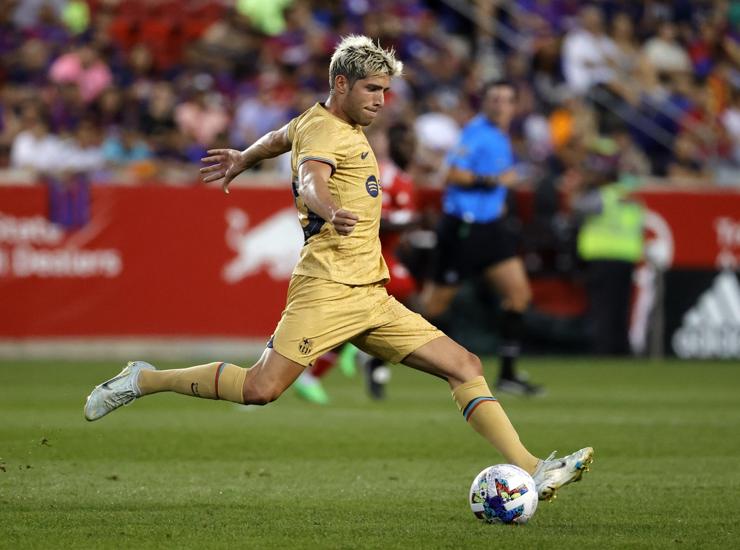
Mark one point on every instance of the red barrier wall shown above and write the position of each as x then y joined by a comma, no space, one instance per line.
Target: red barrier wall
166,261
151,261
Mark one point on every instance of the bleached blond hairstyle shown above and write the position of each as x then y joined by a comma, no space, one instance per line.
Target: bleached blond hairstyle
358,57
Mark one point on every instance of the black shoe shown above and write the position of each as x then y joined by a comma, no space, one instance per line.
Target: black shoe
377,375
518,385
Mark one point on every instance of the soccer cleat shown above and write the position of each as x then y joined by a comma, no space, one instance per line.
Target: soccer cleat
519,386
310,389
348,360
119,390
553,473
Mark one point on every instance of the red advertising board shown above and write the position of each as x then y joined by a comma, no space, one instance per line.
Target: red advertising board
694,229
168,261
150,261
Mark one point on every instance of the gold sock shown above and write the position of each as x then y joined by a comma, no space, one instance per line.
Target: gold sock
485,414
211,381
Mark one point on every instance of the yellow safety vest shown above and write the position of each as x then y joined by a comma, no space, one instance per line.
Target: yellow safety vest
617,232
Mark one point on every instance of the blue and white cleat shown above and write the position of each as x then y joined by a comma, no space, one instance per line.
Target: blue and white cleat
553,473
119,390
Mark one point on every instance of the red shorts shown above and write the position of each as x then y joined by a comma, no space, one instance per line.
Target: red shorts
402,284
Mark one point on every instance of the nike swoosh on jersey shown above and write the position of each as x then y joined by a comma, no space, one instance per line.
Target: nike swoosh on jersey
364,155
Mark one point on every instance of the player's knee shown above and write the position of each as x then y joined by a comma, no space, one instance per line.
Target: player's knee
261,394
470,366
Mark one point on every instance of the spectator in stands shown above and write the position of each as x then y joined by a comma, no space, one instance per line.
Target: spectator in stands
35,148
157,120
665,53
229,45
85,68
203,116
110,108
66,108
256,115
11,36
125,146
28,12
9,125
547,76
703,122
138,74
30,64
76,16
45,25
731,122
83,152
588,53
627,63
687,167
444,57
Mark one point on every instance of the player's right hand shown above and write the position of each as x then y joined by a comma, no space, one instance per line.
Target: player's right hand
223,163
344,221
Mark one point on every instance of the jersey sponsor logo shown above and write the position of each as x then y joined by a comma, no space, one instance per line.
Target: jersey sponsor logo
364,155
273,245
372,186
711,328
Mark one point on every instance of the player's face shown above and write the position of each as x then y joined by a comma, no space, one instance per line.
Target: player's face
366,98
499,105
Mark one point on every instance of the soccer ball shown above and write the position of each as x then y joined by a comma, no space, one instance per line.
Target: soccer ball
503,493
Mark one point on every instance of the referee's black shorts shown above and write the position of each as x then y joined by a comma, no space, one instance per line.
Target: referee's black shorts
466,249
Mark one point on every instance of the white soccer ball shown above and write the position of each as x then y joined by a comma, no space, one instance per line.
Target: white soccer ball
503,493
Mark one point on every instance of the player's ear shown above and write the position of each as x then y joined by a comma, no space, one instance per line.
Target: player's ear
341,84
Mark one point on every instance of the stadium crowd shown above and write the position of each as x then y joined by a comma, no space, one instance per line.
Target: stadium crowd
136,91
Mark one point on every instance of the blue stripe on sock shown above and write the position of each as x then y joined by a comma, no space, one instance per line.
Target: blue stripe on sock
474,403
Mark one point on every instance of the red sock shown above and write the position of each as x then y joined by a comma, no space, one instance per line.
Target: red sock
324,364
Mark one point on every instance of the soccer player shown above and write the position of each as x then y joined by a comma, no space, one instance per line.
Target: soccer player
337,291
398,215
473,236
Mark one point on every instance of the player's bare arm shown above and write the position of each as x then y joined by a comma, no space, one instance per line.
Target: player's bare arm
466,178
313,178
229,163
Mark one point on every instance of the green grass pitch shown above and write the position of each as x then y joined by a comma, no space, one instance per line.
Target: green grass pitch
172,471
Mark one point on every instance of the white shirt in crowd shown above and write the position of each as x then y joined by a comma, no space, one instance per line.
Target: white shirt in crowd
586,60
666,56
51,154
731,122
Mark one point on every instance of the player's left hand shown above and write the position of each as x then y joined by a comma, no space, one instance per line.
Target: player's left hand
344,221
227,164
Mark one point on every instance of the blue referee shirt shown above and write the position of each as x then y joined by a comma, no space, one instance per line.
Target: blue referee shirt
486,151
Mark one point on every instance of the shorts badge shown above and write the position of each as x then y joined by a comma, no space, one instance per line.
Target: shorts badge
305,346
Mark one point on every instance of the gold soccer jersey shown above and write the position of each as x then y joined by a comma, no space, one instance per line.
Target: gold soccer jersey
354,184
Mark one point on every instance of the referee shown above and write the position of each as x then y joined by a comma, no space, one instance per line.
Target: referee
473,236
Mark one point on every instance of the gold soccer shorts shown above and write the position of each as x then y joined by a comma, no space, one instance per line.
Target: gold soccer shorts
321,315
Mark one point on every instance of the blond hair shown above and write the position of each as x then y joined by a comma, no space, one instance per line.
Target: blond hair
358,57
